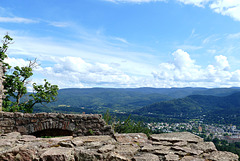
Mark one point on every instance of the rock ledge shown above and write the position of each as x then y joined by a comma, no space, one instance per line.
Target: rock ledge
125,147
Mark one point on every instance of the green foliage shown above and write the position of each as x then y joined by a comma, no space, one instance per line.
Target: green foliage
220,110
129,126
107,118
16,82
91,132
101,99
223,145
221,107
3,49
126,126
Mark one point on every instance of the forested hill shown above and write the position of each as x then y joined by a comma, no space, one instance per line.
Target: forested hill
92,100
95,100
193,106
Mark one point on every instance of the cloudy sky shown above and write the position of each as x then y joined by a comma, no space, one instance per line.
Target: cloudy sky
126,43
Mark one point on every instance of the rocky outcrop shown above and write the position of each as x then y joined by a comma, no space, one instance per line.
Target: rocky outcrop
123,147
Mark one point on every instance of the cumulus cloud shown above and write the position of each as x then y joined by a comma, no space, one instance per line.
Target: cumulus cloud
183,71
222,62
235,76
227,7
183,68
75,71
16,62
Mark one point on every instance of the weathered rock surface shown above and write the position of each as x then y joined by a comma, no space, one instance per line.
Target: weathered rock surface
127,147
177,137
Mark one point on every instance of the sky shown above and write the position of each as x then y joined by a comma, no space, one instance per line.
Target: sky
126,43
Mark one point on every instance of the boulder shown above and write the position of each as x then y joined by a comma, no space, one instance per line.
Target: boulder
221,156
82,154
204,146
58,154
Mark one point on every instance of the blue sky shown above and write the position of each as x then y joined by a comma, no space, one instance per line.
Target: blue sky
126,43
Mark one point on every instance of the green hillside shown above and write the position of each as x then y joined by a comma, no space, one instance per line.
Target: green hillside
100,99
210,108
222,105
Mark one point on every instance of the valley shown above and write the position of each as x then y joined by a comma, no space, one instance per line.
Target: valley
217,105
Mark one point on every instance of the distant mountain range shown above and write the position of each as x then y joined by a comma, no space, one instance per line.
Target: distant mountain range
215,103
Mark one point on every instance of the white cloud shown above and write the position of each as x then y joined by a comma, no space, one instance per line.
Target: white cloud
236,76
71,64
16,20
16,62
71,72
199,3
104,50
59,24
74,70
182,59
120,39
222,62
184,72
102,64
227,7
183,68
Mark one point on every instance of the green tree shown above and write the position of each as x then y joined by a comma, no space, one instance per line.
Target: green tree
107,117
15,84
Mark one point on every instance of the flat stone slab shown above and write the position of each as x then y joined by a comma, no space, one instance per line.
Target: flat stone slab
177,137
99,138
146,157
106,148
126,150
134,138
